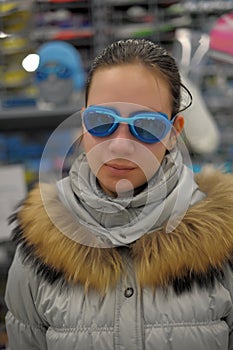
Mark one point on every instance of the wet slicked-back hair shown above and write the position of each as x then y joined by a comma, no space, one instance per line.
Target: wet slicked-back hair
150,55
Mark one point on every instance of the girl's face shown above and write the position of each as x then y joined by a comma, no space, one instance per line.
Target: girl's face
120,161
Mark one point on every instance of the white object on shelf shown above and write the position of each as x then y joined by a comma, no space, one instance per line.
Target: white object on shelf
200,128
12,191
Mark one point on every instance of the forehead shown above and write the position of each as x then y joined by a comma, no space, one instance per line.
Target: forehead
125,108
131,83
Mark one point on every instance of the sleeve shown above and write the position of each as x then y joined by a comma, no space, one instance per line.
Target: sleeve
228,284
25,328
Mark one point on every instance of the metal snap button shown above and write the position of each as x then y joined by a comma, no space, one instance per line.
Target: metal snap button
128,292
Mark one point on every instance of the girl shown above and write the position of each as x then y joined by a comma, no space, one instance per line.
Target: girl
129,251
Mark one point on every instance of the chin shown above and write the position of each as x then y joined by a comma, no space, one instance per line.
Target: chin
123,187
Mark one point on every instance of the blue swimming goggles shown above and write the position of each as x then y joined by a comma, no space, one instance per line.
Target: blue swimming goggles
60,70
146,126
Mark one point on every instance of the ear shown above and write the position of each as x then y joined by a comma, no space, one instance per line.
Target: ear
178,126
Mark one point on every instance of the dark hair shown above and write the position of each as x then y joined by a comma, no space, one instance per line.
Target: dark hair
150,55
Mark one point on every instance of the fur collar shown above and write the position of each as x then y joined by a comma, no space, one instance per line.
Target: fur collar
196,250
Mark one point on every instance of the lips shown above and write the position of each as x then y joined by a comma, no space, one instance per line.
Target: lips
120,166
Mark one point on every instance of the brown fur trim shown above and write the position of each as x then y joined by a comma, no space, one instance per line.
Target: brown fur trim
202,241
92,267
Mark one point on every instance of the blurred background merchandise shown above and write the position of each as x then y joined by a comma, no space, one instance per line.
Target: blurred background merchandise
198,33
16,22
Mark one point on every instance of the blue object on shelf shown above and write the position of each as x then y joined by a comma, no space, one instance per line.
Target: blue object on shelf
64,54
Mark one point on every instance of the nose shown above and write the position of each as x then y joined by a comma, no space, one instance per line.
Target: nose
121,142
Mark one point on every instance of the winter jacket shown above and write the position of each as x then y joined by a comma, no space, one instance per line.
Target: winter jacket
166,291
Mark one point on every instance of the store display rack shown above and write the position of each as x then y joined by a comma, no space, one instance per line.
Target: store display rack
91,25
99,22
23,119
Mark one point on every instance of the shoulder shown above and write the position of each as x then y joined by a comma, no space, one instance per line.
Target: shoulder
58,247
22,285
227,277
199,247
21,275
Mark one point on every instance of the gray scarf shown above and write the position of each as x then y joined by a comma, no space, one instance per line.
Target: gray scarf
122,220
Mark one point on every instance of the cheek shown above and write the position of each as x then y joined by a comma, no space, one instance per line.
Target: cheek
92,144
87,141
148,158
94,149
158,150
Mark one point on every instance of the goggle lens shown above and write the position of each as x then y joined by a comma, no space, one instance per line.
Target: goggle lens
98,123
150,129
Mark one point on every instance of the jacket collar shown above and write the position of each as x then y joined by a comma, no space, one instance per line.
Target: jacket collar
197,248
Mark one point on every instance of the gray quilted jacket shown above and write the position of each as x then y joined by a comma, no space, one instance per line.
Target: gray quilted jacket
165,292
